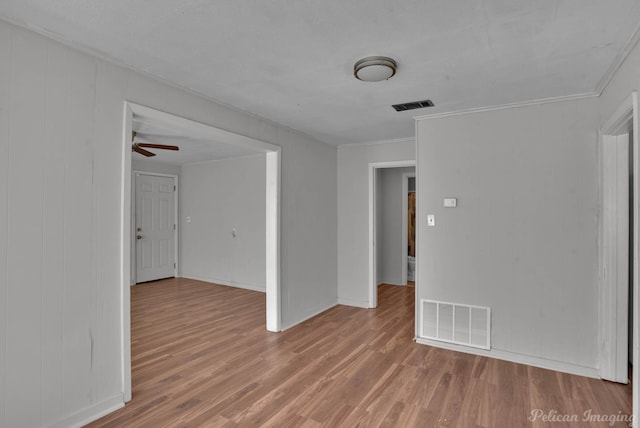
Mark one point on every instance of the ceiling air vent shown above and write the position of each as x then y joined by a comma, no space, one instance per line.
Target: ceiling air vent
413,105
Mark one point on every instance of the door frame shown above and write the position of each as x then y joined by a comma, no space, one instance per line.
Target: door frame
272,209
609,327
373,166
134,258
614,258
405,223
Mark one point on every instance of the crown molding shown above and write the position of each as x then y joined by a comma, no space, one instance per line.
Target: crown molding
378,142
618,61
576,97
600,86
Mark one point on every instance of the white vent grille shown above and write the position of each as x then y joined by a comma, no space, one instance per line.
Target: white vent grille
456,323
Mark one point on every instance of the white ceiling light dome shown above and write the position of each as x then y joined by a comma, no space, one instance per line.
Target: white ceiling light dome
375,68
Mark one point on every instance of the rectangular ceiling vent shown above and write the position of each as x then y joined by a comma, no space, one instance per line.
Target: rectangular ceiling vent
413,105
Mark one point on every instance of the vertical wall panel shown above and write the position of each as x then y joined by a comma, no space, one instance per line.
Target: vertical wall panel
24,270
78,334
54,231
5,104
108,152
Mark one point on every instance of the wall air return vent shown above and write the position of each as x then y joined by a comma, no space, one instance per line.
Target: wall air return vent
413,105
456,323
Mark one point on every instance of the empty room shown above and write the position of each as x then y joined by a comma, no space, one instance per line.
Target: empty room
312,214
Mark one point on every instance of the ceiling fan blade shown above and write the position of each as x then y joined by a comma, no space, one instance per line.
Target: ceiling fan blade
158,146
142,151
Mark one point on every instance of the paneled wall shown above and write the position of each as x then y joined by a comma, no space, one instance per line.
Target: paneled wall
51,202
61,151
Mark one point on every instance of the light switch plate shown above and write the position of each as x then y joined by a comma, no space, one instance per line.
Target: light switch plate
450,202
431,220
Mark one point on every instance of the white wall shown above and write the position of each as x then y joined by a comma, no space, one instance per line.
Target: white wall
61,133
157,167
220,196
523,239
353,213
391,230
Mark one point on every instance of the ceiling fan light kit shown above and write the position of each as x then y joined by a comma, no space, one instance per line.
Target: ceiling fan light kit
375,68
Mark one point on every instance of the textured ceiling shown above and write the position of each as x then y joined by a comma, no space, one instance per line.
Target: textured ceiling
193,147
291,61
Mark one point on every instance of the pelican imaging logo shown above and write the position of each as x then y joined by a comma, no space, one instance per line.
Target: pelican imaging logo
539,415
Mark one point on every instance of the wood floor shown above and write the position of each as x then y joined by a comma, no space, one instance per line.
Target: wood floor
202,358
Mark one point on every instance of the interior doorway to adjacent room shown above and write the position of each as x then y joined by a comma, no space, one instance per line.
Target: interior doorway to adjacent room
409,214
271,154
389,225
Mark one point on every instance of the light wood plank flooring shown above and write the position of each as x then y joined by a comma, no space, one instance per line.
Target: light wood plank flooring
202,358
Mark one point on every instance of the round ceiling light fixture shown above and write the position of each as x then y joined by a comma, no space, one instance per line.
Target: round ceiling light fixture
374,68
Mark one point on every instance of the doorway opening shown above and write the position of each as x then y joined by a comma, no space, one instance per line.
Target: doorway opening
396,263
409,225
272,215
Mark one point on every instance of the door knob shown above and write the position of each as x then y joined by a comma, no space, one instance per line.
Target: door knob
138,236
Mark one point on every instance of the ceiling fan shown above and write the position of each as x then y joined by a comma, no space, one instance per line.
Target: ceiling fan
140,147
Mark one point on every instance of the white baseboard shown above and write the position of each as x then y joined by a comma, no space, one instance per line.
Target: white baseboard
313,313
246,286
91,413
353,302
513,357
391,282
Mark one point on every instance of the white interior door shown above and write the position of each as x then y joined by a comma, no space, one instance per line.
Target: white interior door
155,227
